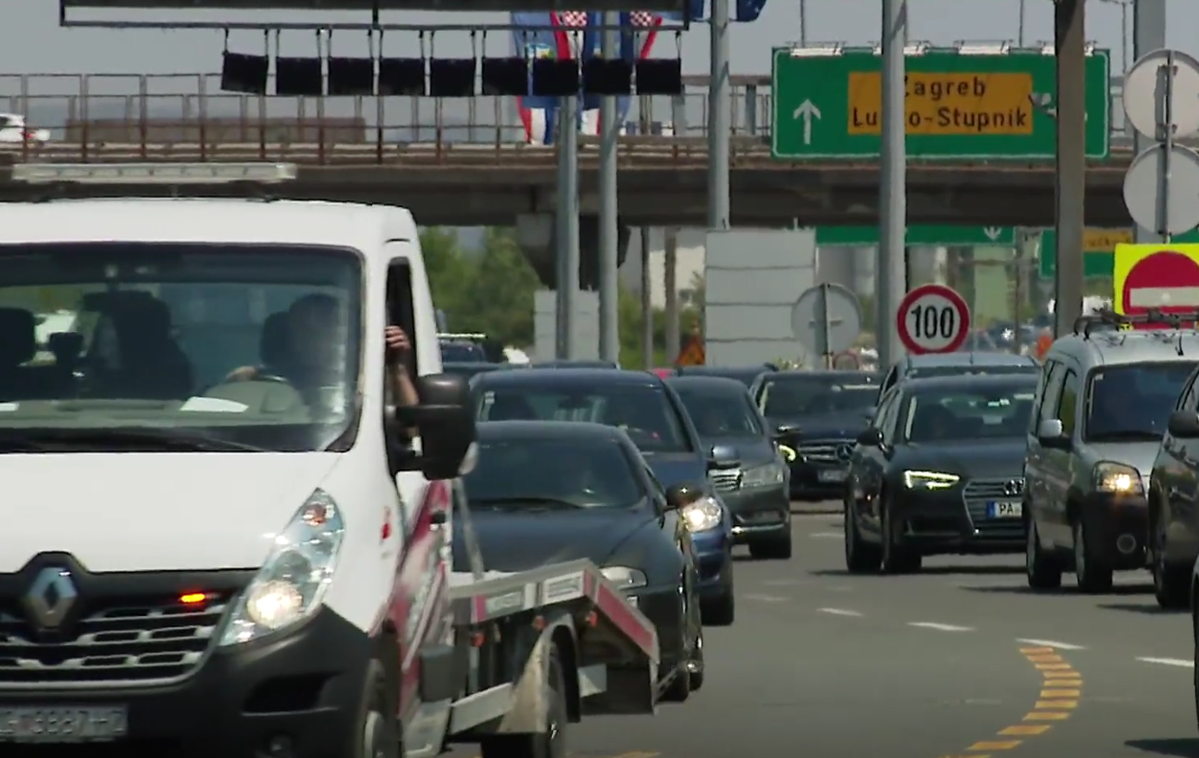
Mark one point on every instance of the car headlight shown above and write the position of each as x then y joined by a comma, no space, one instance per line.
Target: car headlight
929,480
293,578
763,476
702,515
1118,478
623,577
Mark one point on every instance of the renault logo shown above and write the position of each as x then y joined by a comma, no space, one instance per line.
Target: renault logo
1013,487
844,452
50,597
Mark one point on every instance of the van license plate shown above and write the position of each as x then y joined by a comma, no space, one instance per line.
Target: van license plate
1005,509
66,723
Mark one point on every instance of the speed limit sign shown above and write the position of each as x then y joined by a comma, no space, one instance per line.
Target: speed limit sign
933,318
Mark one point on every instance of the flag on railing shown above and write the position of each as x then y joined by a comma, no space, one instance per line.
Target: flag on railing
573,34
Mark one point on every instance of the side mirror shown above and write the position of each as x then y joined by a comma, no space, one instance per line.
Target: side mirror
445,419
723,456
1184,424
871,437
681,495
1051,434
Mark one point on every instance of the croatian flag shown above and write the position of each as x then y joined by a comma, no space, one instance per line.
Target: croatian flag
572,35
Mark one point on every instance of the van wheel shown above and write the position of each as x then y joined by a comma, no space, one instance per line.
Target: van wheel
548,744
1044,571
860,557
1093,576
1171,584
379,728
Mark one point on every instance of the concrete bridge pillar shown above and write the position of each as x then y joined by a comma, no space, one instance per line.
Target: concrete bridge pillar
537,238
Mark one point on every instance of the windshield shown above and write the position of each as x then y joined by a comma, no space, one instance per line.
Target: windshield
969,413
814,396
1133,402
461,352
931,371
720,413
253,344
512,473
644,413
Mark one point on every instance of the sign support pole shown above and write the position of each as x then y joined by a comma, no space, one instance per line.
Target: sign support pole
720,116
608,221
1165,135
893,168
1069,39
1149,34
568,225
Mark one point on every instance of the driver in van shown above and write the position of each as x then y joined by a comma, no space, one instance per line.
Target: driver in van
313,326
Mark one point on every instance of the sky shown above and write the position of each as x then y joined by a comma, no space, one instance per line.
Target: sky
31,41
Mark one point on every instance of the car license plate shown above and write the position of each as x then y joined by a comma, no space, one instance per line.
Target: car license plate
67,723
836,475
1005,509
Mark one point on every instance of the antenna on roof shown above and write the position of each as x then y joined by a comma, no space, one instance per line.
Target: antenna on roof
1106,317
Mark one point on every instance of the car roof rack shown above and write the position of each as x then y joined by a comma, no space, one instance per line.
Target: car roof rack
64,180
462,336
1109,318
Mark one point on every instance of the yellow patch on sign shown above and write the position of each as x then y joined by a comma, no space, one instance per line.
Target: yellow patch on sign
939,104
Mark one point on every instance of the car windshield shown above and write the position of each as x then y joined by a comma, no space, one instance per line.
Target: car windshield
1133,402
645,413
717,412
803,396
967,370
962,413
587,473
256,344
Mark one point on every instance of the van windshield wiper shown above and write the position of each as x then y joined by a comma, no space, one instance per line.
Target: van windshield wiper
152,438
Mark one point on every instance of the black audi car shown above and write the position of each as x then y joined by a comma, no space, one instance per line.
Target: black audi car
940,470
546,492
816,417
755,484
652,415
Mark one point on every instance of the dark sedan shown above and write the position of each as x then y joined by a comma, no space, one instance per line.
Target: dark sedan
816,417
599,501
654,418
753,479
940,470
744,374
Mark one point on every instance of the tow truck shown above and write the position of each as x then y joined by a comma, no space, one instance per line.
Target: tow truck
287,599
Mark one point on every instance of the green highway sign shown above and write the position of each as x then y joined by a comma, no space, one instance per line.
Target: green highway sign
958,105
930,236
1099,246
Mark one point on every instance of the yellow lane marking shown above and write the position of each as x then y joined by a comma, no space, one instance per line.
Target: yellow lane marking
1005,745
637,754
1047,716
1025,729
1054,667
1045,658
1060,693
1038,650
1056,704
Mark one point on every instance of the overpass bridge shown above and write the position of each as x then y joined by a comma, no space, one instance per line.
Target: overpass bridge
462,162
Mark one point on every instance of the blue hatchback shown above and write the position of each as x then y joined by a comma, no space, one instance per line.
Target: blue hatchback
654,418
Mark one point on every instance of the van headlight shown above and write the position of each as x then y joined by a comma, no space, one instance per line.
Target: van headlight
702,515
1117,478
295,575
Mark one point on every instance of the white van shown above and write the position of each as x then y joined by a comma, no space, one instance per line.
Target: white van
221,538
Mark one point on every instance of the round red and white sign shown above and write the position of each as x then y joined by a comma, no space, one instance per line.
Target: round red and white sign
933,318
1167,279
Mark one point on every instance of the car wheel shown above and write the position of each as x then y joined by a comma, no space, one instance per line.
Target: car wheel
860,557
1092,575
548,744
1171,584
1044,570
772,549
696,666
722,609
897,559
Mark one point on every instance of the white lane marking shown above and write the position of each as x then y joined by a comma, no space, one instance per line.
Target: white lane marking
840,612
826,535
1178,662
767,598
940,627
1050,643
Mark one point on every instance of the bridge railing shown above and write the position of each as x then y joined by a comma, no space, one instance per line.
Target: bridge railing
151,115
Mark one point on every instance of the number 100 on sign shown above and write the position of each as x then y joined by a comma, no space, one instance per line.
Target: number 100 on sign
933,319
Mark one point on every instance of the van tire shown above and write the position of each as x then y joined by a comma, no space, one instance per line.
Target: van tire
550,743
1093,577
1044,570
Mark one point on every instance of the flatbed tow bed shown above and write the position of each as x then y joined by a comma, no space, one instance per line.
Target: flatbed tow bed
515,632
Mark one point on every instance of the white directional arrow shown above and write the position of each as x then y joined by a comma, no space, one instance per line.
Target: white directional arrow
807,111
992,232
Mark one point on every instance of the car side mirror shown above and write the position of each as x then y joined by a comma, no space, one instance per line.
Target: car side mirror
680,496
445,420
1051,434
722,457
871,437
1184,424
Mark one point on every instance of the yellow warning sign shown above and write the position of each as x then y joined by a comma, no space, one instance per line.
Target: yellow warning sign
692,353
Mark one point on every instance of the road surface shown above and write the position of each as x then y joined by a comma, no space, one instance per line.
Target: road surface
960,660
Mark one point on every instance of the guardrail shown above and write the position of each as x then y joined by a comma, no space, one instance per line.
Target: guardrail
186,117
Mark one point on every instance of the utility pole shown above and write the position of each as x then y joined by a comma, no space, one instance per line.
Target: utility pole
609,231
893,204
